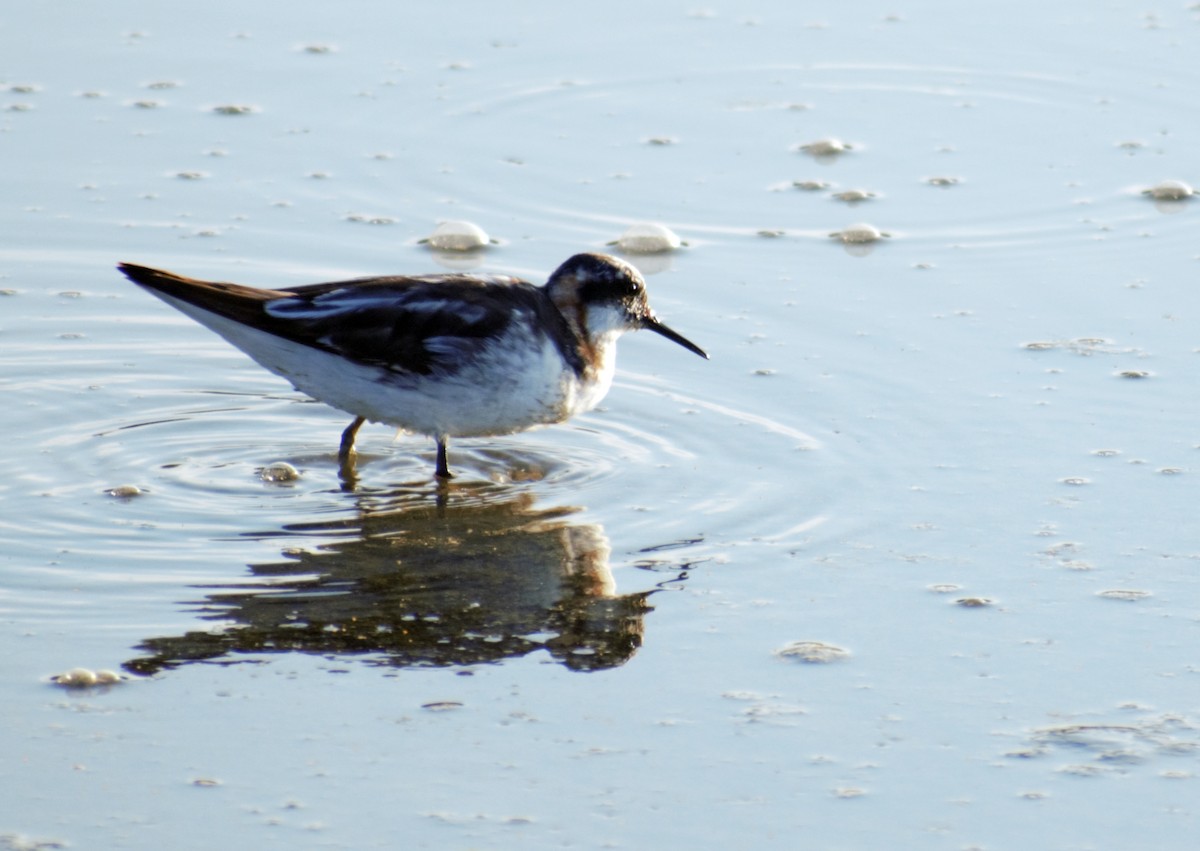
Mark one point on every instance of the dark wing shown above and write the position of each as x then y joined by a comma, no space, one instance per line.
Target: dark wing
422,324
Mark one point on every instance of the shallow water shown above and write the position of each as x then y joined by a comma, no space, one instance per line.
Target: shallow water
963,454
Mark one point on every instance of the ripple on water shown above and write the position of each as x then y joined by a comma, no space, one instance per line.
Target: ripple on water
158,463
1003,202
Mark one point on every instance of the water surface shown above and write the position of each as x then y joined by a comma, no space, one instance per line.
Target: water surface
963,454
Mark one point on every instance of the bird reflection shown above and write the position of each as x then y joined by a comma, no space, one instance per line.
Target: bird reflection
420,583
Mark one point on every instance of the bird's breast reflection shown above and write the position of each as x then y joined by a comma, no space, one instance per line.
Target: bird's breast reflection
424,585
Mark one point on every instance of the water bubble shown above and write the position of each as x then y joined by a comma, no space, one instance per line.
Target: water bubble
859,234
812,185
124,491
234,109
1170,190
944,588
1128,595
365,218
442,705
974,602
1076,564
854,196
827,148
86,678
1082,770
279,472
457,236
849,792
76,678
813,652
943,181
648,238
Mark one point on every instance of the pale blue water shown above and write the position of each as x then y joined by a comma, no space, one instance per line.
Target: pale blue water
576,645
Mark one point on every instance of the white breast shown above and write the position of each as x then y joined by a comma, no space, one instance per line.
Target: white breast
517,382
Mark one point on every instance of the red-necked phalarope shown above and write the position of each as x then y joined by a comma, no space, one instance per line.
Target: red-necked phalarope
441,355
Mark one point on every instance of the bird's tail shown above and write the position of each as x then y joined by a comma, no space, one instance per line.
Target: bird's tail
155,279
232,300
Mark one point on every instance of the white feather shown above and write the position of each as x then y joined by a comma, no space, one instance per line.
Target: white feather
511,385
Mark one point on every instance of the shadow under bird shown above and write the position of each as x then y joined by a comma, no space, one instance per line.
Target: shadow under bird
442,355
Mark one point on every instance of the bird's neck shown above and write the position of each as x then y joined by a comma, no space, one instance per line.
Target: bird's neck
590,348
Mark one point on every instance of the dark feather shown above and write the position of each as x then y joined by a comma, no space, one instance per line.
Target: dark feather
421,324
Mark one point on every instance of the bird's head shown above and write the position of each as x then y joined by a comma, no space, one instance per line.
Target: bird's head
603,297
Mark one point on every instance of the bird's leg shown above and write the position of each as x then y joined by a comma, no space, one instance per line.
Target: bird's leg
346,453
443,469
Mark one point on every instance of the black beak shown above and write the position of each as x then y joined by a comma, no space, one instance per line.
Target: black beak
650,323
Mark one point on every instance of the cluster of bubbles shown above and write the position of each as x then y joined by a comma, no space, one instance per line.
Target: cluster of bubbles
459,242
86,678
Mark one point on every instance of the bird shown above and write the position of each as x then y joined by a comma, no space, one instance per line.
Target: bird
443,355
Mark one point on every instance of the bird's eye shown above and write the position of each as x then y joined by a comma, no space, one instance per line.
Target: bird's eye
632,286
